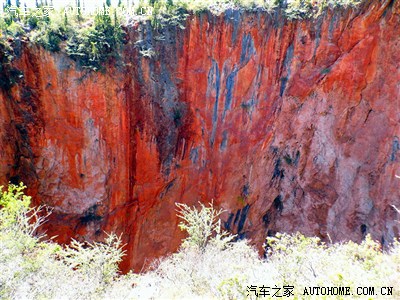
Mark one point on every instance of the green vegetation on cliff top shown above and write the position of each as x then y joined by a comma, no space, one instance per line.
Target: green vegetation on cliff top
94,39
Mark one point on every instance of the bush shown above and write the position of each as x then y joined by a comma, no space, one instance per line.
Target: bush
207,265
32,267
51,31
302,262
203,227
203,269
97,261
92,46
8,74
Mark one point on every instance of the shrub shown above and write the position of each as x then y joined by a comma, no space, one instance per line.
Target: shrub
202,269
91,47
32,267
51,31
207,265
301,262
203,227
8,74
98,261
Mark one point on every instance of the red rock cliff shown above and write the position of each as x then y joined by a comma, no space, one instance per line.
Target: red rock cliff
289,126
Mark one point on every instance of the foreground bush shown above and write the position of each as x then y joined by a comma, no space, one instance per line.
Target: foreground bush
208,265
211,267
32,268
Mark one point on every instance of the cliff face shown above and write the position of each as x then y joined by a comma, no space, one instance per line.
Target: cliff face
289,126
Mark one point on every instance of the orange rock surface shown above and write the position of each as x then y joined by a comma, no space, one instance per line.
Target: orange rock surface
288,125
